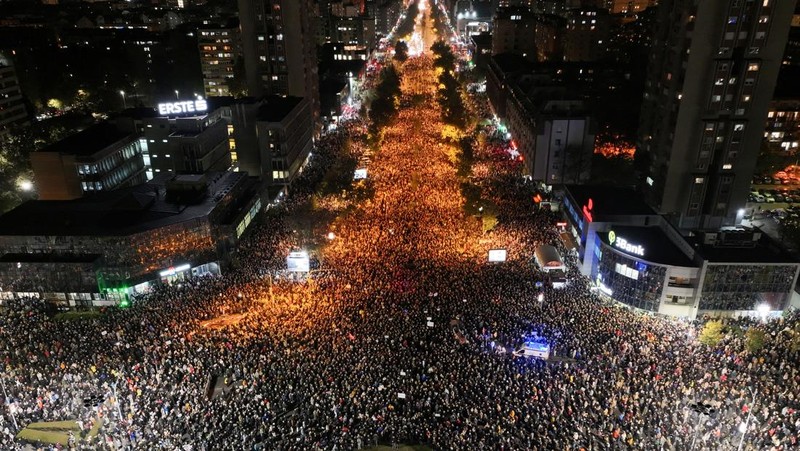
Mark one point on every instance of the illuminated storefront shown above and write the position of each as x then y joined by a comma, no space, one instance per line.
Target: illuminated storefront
105,250
637,258
640,267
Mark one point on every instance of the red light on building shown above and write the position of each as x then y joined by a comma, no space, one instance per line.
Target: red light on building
537,198
587,210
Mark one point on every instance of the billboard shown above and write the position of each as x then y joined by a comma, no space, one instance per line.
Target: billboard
497,255
360,174
297,261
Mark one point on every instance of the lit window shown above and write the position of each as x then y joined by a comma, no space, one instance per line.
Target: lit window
727,166
752,67
763,19
698,180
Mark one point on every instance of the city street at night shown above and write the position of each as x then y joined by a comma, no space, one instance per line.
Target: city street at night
409,307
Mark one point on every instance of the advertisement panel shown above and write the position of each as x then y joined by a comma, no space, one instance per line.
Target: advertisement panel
497,255
297,262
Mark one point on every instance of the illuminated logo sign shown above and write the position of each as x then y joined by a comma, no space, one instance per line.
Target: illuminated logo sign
174,270
587,210
183,107
623,244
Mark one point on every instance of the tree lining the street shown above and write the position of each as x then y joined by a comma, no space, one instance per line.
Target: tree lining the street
384,106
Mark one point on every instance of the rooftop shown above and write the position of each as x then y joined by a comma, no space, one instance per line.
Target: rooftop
115,213
89,141
511,62
609,200
765,251
483,40
276,108
658,247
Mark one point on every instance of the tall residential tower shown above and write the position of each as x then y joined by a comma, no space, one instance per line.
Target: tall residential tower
712,72
279,49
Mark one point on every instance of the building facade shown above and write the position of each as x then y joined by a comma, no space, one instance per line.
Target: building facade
284,130
782,132
513,31
192,143
279,49
100,158
274,137
102,249
637,258
219,52
12,107
387,14
586,34
710,79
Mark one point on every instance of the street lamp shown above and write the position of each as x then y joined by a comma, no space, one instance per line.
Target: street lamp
124,102
331,235
177,95
25,185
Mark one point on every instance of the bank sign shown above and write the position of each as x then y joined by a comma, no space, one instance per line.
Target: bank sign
623,244
182,107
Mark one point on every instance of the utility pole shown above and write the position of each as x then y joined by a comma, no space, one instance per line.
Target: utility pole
743,428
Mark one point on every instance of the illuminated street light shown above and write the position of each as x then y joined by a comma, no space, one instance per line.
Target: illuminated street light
124,101
763,310
177,95
25,185
331,235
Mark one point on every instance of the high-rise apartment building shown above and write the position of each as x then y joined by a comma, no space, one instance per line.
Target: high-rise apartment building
12,108
513,31
710,79
586,35
279,49
628,7
219,50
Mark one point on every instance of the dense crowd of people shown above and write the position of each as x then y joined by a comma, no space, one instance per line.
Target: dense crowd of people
406,336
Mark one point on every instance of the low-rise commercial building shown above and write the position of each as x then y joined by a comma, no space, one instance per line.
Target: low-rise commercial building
285,138
99,250
101,158
634,256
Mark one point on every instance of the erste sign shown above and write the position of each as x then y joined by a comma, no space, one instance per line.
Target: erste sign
182,107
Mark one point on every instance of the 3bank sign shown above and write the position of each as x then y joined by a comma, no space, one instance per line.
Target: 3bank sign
183,107
623,244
